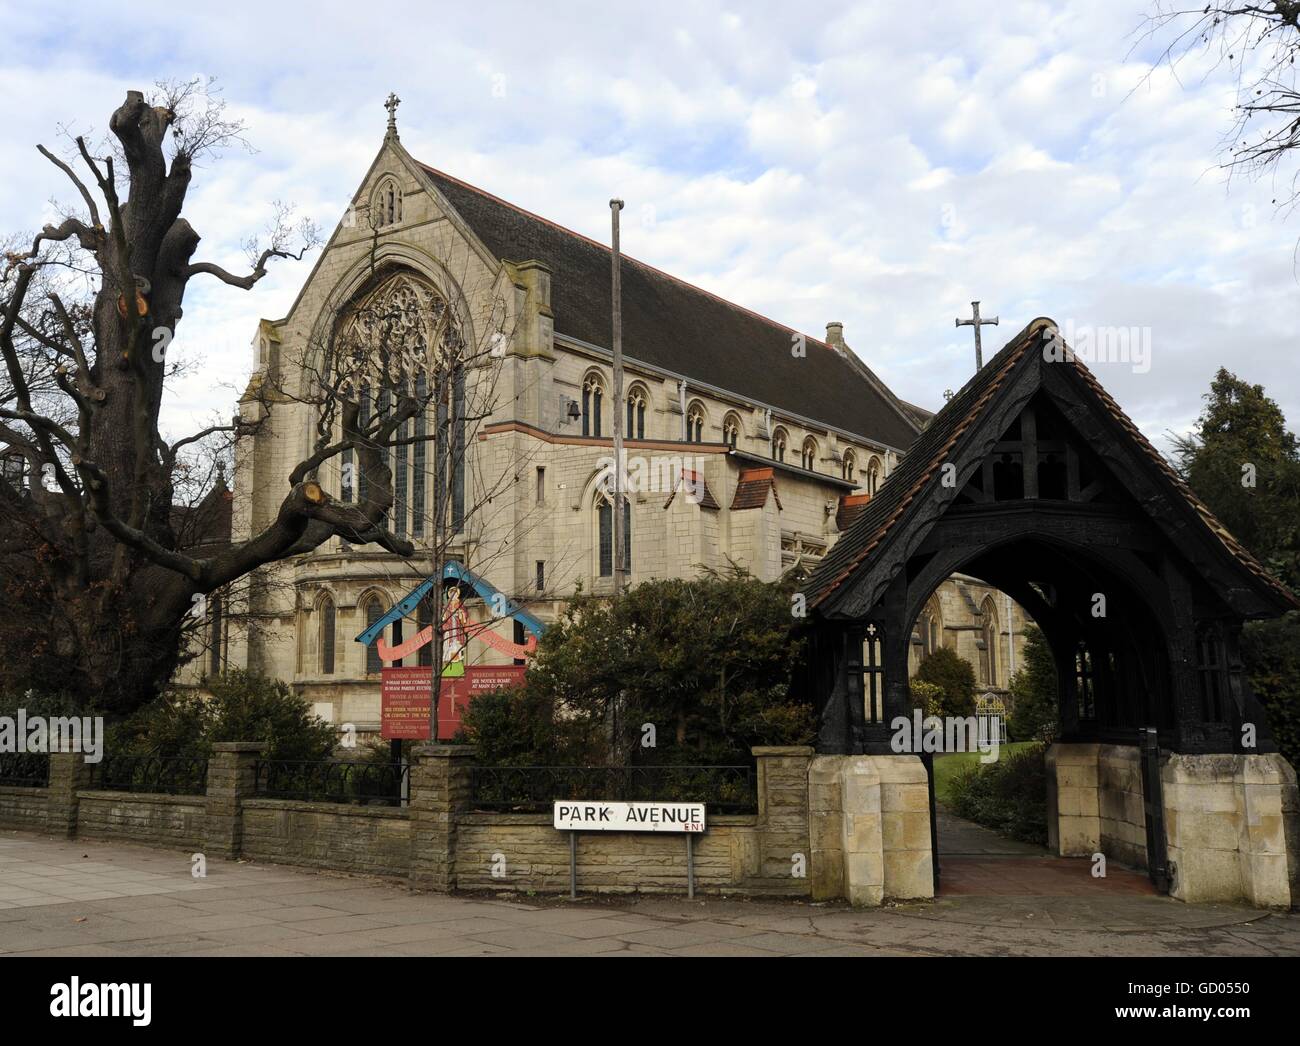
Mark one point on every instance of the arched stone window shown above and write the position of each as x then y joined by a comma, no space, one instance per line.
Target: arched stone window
848,466
327,626
394,341
695,422
637,399
873,475
731,429
929,627
779,440
593,395
371,611
989,635
604,506
808,459
386,206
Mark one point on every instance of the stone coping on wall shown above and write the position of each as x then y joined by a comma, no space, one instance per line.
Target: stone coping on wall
24,791
165,798
341,809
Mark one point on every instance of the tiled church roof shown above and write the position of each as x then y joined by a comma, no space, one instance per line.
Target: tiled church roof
752,488
680,328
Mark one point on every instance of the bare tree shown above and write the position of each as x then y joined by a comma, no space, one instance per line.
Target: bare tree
97,583
1257,44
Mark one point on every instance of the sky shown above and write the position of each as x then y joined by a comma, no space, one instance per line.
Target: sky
882,165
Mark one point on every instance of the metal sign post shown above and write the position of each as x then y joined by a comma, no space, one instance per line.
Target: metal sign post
573,866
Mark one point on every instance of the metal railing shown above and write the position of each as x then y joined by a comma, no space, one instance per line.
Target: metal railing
25,769
532,789
169,775
332,781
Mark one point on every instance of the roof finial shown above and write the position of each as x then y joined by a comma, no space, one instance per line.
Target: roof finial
391,105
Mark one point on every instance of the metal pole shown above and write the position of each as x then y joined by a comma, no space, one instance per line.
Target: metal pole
615,206
573,866
690,866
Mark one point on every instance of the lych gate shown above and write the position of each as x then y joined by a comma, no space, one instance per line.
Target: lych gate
1033,480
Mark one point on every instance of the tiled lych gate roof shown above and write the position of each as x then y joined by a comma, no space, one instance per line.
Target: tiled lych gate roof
936,444
679,328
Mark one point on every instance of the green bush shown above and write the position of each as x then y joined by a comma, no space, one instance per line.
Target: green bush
242,707
700,667
1009,796
1035,712
954,677
1271,652
928,697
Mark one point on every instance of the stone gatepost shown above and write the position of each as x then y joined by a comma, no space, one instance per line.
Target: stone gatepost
69,774
440,792
1224,822
231,779
782,808
1073,805
869,823
1227,818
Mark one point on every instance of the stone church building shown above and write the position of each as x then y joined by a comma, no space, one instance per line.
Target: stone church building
747,443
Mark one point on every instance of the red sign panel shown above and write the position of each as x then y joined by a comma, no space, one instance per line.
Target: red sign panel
404,709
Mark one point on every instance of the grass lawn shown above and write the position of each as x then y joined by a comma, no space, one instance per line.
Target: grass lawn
949,765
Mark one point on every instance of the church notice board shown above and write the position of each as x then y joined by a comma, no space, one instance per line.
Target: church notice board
404,698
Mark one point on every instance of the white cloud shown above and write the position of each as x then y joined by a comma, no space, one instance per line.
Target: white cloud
853,162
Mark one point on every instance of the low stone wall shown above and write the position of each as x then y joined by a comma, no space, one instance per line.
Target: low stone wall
142,817
372,840
23,807
524,852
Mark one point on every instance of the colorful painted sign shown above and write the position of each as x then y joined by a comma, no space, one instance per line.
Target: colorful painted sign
404,698
458,630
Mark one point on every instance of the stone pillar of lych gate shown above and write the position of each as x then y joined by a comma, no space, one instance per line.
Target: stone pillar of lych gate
869,827
1231,821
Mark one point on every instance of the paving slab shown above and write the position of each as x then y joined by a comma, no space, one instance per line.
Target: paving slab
243,908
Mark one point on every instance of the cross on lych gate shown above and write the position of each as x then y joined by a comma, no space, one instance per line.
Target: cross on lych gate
976,322
391,104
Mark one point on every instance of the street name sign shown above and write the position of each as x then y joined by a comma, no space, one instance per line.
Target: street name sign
576,815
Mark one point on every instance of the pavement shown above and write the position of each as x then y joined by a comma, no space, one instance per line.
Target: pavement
92,898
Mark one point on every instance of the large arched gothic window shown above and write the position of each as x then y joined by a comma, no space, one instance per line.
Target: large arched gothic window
593,395
394,343
695,422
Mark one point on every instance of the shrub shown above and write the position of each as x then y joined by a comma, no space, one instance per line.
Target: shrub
242,707
1035,715
1009,796
928,697
954,677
